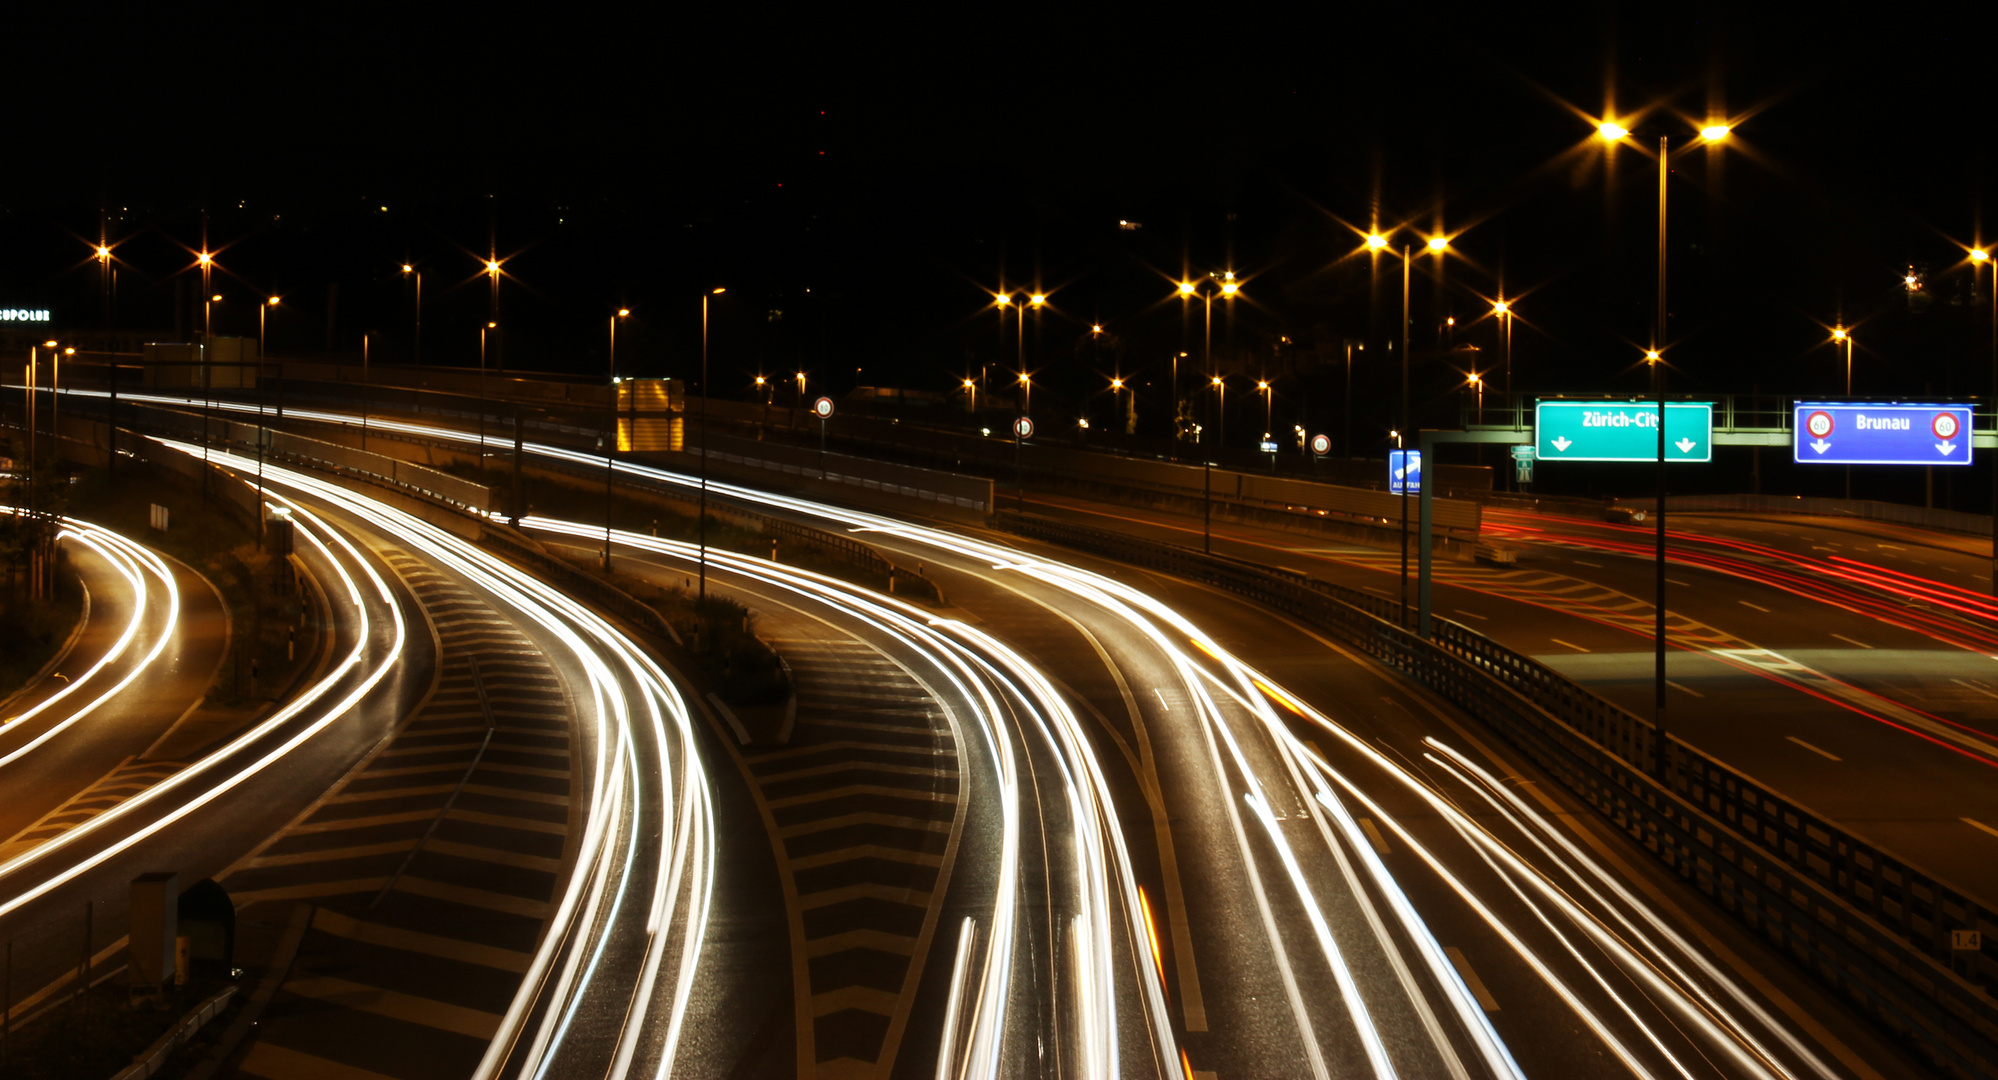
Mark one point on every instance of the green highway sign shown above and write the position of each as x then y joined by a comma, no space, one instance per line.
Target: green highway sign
1622,430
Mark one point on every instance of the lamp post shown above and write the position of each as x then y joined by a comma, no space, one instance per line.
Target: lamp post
1841,337
1503,310
1982,257
610,436
703,523
1612,133
1116,403
416,353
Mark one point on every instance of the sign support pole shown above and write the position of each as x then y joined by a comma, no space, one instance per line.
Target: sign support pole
1658,385
1427,443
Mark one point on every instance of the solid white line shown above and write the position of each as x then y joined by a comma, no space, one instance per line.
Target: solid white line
1676,581
1817,750
1473,614
1569,644
1850,641
1687,689
1757,607
1976,824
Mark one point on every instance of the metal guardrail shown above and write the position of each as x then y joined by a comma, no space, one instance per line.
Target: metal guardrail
1867,924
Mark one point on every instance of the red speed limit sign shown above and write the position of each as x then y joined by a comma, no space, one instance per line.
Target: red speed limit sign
823,407
1819,424
1944,425
1321,444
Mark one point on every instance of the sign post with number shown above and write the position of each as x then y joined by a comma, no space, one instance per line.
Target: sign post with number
1841,433
823,409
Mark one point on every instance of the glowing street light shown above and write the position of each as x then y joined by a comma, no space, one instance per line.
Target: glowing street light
1979,255
1611,132
1439,243
1714,132
1186,288
1375,241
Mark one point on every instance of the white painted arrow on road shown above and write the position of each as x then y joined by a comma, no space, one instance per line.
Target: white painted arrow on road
1685,445
1563,443
1821,446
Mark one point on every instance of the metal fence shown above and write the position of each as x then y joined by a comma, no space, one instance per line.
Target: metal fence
1867,924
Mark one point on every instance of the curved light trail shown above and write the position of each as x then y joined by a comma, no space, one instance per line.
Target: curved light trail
1650,999
135,563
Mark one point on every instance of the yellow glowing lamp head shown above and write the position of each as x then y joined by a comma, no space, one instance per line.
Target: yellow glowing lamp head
1230,288
1217,380
1375,241
217,298
1979,255
48,344
1186,288
1096,329
408,269
1024,380
1116,384
1714,132
203,258
1438,243
103,252
492,266
967,384
1262,384
1039,299
1501,308
1611,132
623,312
1002,300
273,301
1838,333
1651,355
1474,378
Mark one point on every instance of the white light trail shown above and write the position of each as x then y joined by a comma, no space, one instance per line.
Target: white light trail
134,562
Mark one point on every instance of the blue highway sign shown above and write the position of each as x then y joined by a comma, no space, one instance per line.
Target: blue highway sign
1397,470
1833,433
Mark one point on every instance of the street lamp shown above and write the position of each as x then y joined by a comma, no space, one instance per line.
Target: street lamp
610,436
1712,134
703,524
411,271
1840,336
1503,310
1982,257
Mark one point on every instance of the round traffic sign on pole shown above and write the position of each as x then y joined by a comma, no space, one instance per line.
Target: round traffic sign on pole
1321,445
1023,427
1944,425
1819,424
823,407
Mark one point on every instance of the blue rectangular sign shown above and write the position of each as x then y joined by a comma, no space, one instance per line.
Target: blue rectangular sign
1397,485
1834,433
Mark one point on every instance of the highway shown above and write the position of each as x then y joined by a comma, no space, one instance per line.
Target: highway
1338,875
1799,650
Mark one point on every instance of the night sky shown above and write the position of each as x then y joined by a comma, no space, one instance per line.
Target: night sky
861,182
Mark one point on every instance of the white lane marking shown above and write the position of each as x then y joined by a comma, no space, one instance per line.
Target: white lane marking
1579,562
1890,547
1472,614
1821,547
1569,644
1676,581
1851,641
1162,700
1686,689
1757,607
1383,592
1813,749
1979,689
1471,980
1976,824
1374,836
